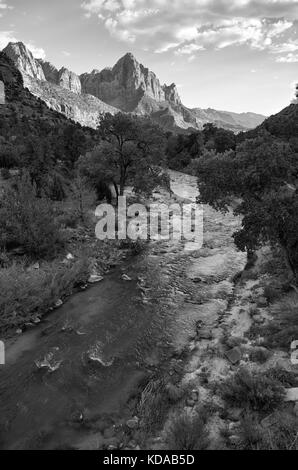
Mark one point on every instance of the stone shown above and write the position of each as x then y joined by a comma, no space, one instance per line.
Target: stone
292,394
94,278
19,331
234,414
133,423
205,333
59,303
234,355
262,302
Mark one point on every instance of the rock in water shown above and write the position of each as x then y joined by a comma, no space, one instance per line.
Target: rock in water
94,278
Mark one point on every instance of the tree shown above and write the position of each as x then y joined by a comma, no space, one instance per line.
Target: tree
131,152
262,174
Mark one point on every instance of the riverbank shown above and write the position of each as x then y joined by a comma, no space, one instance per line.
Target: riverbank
239,382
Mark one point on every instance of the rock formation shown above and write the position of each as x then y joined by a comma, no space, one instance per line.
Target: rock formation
24,60
126,87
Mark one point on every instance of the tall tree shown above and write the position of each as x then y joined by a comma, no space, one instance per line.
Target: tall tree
131,152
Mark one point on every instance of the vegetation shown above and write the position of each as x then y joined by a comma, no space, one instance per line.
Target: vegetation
261,174
131,151
187,432
28,293
183,150
28,221
252,390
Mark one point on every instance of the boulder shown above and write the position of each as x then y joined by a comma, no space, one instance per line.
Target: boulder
133,423
234,355
292,394
94,278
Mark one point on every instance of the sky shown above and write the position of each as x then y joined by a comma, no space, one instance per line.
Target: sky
234,55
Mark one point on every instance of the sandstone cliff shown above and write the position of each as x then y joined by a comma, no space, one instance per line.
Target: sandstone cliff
126,87
24,60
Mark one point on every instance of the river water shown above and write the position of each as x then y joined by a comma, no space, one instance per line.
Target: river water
103,342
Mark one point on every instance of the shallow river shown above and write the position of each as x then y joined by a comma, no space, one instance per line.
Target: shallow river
104,341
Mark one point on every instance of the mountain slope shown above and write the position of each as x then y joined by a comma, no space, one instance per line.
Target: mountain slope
127,87
28,128
84,109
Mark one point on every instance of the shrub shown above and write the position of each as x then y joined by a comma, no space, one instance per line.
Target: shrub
28,221
252,390
28,293
286,378
272,293
281,435
187,432
5,173
260,355
283,329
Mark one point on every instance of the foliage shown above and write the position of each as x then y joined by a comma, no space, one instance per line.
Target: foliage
131,152
283,327
182,149
28,221
187,432
27,293
261,175
252,390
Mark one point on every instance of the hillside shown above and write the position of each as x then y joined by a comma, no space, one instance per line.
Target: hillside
28,126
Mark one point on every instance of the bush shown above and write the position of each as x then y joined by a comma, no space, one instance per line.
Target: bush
284,377
281,435
5,173
253,390
283,328
27,293
260,355
28,221
187,433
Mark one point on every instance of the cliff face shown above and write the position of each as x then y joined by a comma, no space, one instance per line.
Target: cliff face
124,85
23,59
59,89
63,77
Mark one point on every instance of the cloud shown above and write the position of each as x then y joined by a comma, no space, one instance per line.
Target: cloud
289,58
188,26
9,36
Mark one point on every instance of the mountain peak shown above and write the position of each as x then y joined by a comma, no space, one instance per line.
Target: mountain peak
24,60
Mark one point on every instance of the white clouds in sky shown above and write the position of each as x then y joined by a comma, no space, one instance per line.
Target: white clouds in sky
189,26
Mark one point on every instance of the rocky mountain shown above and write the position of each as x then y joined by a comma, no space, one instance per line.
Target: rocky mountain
227,119
63,77
24,60
59,89
127,87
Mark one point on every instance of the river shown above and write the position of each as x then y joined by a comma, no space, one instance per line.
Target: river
105,341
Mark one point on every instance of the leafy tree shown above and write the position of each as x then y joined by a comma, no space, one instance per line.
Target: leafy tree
131,152
262,174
